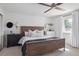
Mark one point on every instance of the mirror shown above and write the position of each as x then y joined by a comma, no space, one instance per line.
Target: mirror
9,25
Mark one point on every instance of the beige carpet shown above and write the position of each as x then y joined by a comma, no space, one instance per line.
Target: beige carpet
16,51
69,51
12,51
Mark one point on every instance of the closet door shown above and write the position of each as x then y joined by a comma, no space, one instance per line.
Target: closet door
1,36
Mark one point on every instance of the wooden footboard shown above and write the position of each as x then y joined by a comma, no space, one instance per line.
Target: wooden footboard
43,46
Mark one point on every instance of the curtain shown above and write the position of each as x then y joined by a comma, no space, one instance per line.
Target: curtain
75,29
59,26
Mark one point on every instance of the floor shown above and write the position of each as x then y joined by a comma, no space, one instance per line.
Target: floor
16,51
69,51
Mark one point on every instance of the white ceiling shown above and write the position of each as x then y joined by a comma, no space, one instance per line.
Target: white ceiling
37,9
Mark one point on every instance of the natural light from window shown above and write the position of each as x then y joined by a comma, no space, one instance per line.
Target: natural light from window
68,24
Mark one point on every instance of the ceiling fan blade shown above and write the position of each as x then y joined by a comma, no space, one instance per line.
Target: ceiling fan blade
48,10
59,3
53,5
59,8
44,4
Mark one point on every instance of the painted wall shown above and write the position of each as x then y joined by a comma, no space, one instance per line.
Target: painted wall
57,21
23,20
1,30
59,28
0,33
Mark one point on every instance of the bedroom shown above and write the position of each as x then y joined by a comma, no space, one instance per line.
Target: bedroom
19,18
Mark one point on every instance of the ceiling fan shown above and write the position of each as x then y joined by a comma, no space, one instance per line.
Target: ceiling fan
53,5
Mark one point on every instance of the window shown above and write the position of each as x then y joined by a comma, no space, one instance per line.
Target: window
68,23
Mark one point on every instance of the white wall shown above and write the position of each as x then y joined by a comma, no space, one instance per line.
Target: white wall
1,30
57,22
0,33
24,20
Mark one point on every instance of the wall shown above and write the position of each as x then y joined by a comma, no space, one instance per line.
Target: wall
58,22
31,20
0,33
23,20
1,29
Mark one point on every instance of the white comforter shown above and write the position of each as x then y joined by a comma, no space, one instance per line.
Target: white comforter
24,39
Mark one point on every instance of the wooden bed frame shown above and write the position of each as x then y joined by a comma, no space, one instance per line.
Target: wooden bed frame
39,47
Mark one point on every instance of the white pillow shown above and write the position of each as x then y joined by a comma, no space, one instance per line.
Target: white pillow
51,33
40,33
34,33
37,33
28,34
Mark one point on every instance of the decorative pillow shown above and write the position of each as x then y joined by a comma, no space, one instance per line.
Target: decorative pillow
51,33
34,33
37,33
28,34
40,33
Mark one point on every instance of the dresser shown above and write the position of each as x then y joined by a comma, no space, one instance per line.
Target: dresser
12,39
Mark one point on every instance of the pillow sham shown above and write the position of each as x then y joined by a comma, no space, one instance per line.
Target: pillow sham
37,33
28,34
51,33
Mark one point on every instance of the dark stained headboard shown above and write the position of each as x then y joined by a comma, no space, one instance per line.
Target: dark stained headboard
27,28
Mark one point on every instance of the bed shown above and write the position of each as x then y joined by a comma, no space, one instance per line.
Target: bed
39,45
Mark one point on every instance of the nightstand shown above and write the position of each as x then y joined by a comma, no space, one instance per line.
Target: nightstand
12,39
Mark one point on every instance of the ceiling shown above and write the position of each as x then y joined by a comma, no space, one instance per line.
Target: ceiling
37,9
